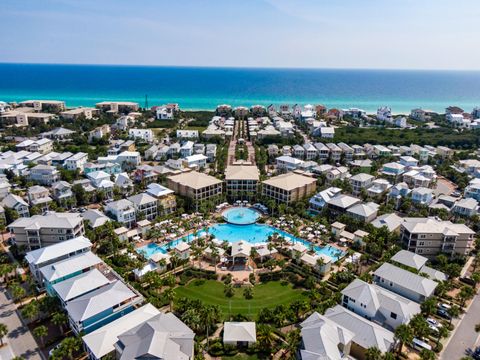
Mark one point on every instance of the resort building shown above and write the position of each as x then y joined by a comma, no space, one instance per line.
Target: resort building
77,113
404,282
289,187
39,231
429,237
123,107
196,186
241,182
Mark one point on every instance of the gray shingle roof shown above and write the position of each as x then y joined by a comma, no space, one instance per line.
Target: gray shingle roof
406,279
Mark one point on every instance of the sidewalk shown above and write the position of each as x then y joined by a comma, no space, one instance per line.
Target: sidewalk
19,338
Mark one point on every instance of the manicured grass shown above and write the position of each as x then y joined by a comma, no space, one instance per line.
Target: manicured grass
269,294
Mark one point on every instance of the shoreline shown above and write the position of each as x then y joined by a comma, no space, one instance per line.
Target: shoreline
276,103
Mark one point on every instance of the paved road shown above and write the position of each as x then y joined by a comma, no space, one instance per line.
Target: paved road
465,335
19,337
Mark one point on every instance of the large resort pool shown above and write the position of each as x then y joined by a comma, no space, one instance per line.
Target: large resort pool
232,232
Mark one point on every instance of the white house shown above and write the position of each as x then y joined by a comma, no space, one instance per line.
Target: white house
76,161
144,134
378,304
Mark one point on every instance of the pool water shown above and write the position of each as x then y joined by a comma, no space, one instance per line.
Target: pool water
253,233
241,215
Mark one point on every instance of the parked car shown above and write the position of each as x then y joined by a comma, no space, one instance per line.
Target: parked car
433,322
444,306
419,345
444,313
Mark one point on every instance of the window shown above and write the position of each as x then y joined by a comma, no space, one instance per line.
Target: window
393,315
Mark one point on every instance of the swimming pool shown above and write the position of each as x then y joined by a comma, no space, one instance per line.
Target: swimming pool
240,215
253,233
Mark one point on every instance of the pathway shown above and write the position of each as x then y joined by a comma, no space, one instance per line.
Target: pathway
19,337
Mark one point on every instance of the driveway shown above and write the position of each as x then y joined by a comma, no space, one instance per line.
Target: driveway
19,338
465,335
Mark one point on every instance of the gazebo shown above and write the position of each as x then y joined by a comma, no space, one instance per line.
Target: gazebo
241,250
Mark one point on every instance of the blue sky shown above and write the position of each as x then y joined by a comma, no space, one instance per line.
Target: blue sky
405,34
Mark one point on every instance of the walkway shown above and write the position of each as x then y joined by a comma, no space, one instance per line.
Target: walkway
19,337
464,336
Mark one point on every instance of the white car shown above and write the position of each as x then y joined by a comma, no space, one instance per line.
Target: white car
444,306
433,322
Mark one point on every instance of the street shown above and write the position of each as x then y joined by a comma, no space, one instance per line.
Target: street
465,335
20,340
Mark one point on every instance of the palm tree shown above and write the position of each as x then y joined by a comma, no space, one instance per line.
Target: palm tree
170,296
30,311
265,337
403,334
454,312
3,332
59,319
389,356
228,290
253,255
373,353
466,293
429,306
70,345
293,340
442,332
419,326
18,292
208,318
174,260
214,255
427,355
40,332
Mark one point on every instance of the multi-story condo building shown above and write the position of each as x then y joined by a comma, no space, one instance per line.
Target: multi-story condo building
241,182
196,186
42,230
122,211
123,107
289,187
429,237
73,114
44,105
145,206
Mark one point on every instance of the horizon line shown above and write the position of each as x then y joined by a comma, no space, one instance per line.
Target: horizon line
240,67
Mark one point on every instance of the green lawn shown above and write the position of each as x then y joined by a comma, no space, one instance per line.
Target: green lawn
264,295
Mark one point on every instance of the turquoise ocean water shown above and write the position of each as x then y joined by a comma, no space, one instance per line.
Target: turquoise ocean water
205,88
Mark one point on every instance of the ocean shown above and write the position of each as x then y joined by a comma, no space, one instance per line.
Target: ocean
197,88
